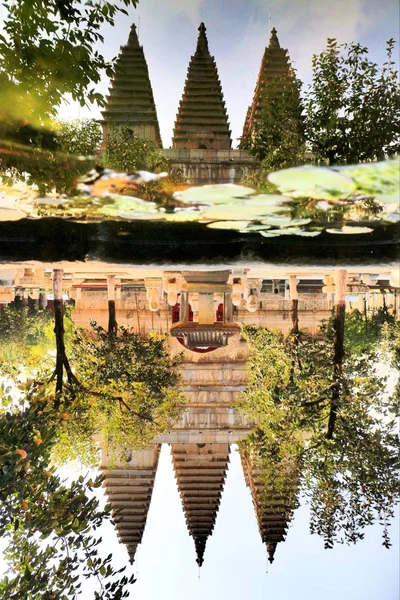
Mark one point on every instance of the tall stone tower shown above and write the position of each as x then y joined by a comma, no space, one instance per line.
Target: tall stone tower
130,102
202,120
275,67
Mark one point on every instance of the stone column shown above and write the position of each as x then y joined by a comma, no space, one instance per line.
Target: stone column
228,307
184,308
206,309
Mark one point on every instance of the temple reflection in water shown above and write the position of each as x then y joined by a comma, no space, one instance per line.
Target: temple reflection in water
202,311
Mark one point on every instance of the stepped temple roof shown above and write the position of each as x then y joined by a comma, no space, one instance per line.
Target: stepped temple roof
130,102
275,66
273,506
202,120
200,471
129,489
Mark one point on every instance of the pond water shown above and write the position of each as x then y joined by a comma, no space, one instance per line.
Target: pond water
202,505
199,384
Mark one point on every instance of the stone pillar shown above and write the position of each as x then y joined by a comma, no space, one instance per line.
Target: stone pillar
184,308
228,307
294,295
111,287
206,309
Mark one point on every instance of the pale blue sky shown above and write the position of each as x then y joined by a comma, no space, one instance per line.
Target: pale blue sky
235,565
238,32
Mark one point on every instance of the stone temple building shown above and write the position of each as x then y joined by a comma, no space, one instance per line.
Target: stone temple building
201,145
202,312
275,68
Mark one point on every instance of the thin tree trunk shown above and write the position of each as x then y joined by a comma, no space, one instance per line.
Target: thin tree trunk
338,354
295,317
112,320
59,332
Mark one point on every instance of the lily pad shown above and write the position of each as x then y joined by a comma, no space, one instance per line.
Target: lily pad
126,204
142,216
214,194
313,182
183,216
252,227
234,225
241,211
379,179
285,222
52,201
350,229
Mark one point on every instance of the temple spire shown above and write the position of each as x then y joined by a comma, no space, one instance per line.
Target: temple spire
275,67
200,471
202,120
202,42
130,102
273,500
133,40
273,40
129,488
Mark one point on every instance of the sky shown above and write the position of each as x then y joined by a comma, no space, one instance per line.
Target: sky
238,31
235,565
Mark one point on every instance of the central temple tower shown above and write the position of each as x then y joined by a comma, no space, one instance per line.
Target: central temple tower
202,120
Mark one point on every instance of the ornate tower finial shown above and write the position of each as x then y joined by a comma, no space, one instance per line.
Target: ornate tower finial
273,40
133,40
202,122
202,42
200,545
271,551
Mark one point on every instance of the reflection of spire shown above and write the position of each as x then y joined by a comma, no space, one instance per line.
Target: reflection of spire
130,102
129,489
200,545
273,504
200,471
271,547
202,42
275,67
202,120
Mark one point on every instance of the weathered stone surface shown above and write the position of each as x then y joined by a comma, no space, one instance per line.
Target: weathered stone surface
130,102
202,120
275,66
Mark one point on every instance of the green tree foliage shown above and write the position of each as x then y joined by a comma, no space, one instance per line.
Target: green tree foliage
116,384
26,337
47,523
352,107
48,50
51,160
126,152
124,388
349,464
278,140
80,137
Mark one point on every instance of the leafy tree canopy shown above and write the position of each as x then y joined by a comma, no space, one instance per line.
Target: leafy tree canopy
47,50
278,139
126,152
48,525
352,106
348,465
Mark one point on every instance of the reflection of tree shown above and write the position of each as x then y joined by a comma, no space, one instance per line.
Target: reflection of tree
322,404
116,383
45,521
